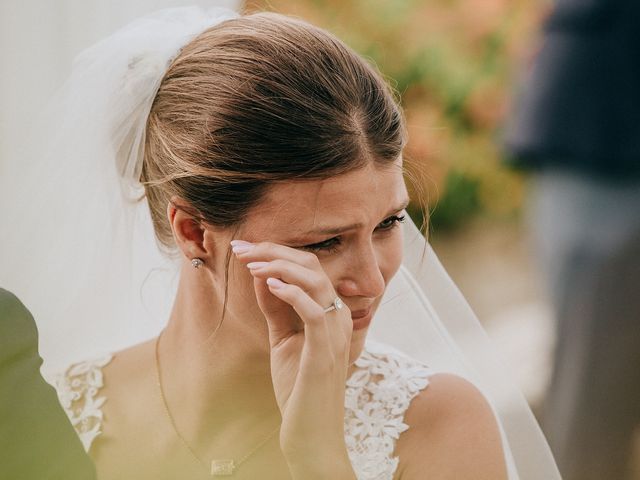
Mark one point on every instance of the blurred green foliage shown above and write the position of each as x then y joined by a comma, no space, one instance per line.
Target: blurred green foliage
452,63
460,201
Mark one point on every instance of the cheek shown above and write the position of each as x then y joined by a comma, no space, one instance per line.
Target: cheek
389,254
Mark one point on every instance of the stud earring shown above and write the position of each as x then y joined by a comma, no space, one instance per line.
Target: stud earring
197,263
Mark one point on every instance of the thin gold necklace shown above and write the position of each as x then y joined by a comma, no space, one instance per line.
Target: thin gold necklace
219,466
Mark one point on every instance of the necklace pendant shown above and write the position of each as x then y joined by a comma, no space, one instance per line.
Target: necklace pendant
222,467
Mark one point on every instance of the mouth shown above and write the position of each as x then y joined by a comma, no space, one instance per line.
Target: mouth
361,318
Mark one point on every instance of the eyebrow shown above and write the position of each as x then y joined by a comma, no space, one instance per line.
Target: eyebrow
353,226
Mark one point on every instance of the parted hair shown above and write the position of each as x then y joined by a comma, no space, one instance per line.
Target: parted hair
258,100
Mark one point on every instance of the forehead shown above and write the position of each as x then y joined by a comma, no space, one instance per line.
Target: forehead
360,196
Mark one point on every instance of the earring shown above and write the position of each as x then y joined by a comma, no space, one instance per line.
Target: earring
196,263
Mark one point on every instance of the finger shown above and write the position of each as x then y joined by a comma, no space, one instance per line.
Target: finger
282,320
315,283
327,340
288,264
267,251
316,331
285,321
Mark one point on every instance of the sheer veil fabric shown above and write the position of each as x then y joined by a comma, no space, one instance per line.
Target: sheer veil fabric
77,244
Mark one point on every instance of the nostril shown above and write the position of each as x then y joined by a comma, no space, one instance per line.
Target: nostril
362,286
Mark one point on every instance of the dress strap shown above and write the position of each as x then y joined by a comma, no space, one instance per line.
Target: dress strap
78,389
377,396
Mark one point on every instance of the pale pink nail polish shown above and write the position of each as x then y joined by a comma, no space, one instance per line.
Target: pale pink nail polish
275,283
240,246
256,265
239,242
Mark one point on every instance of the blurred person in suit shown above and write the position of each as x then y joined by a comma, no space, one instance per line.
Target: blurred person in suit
37,440
577,126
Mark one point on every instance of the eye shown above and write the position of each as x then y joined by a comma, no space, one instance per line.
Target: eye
331,245
391,222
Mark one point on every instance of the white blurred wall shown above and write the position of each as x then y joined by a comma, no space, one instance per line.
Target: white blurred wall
38,41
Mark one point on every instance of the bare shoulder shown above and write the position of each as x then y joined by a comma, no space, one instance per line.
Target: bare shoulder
128,384
130,372
131,363
452,433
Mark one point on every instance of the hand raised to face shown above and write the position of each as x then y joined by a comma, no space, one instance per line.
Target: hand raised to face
309,347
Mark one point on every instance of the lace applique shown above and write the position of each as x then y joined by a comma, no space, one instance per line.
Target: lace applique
77,390
377,397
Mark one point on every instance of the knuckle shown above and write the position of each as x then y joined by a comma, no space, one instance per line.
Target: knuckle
316,280
311,260
317,315
293,291
279,264
264,247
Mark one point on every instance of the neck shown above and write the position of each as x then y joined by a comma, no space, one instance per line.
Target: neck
217,372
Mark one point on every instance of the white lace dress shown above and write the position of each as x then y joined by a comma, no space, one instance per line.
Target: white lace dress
377,396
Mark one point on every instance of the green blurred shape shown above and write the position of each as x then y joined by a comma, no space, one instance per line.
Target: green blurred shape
459,201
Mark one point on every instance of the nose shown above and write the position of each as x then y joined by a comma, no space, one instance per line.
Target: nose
362,275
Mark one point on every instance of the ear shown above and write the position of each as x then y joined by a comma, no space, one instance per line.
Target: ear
188,231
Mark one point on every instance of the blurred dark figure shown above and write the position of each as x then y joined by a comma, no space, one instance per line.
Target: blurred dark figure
577,125
37,442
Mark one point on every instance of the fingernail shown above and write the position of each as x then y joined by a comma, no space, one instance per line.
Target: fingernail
240,246
256,265
275,283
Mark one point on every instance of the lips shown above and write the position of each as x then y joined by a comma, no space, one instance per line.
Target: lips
361,318
360,313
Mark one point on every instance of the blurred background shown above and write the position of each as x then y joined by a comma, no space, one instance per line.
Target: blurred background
455,65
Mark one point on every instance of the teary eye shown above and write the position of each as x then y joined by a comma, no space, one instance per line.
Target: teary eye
391,222
330,245
327,245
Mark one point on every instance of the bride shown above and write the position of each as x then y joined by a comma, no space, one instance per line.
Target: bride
270,157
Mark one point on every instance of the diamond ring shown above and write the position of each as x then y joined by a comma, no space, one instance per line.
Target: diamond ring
336,305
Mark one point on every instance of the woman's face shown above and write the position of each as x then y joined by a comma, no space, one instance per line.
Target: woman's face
351,222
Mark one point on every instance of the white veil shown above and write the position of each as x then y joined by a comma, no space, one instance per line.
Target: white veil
78,248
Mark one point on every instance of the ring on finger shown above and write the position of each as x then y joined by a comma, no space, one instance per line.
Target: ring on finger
336,305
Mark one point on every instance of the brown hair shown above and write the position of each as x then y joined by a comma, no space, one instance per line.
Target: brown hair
258,100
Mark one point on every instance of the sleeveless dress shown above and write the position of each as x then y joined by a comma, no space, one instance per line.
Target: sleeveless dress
377,395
